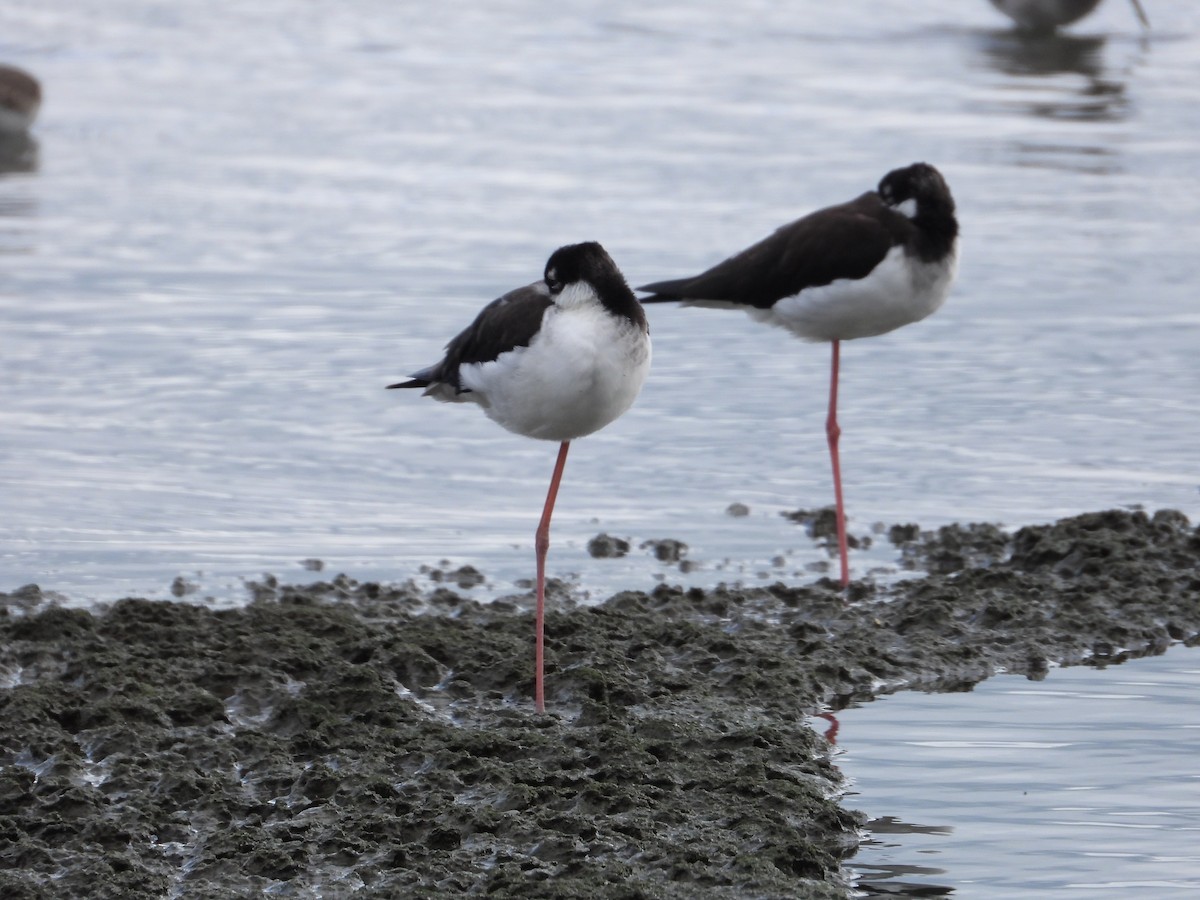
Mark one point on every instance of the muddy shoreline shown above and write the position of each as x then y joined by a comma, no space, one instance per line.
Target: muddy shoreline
350,738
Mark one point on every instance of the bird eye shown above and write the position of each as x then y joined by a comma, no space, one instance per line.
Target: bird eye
553,283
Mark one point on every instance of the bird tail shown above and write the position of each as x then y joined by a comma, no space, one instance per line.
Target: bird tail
665,291
422,379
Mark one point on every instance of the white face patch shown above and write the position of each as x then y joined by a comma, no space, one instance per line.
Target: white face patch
908,208
576,295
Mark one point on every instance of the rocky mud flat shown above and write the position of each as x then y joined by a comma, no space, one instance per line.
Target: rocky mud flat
348,738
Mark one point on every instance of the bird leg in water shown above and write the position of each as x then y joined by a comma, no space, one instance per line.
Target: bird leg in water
541,545
1141,14
833,433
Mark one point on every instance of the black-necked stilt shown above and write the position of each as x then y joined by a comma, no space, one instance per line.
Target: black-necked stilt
855,270
1047,15
20,98
554,360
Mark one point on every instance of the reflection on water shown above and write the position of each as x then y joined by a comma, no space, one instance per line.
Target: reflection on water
1065,78
897,879
1015,53
18,157
1081,782
18,153
892,825
1061,77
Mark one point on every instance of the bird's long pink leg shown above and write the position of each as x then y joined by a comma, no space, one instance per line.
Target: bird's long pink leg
834,433
541,545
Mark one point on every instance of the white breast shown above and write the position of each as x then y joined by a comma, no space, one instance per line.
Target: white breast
899,291
582,370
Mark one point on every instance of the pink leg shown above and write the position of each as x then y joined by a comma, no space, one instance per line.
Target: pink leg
541,545
834,433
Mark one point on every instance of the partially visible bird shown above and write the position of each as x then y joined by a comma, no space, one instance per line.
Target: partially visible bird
20,99
554,360
1046,15
856,270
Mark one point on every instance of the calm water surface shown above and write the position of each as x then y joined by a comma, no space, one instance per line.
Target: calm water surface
238,222
1086,784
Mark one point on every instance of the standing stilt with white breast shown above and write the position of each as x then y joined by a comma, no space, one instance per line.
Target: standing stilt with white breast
554,360
855,270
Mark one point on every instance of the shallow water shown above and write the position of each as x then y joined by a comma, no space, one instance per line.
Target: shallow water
1084,784
240,223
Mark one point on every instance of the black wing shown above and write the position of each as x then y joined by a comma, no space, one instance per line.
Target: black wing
845,241
504,324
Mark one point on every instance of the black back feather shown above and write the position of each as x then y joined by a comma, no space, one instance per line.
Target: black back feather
506,323
843,241
512,321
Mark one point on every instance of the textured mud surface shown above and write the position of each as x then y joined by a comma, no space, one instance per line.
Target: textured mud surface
352,738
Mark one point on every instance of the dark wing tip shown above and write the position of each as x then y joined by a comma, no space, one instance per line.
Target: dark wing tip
421,379
663,291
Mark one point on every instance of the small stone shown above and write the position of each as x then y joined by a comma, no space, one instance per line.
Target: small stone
904,534
667,550
605,546
466,577
180,587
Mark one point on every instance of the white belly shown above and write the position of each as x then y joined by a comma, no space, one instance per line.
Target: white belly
584,369
898,291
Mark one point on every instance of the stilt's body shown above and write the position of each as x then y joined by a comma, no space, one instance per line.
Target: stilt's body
1044,16
859,269
555,360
